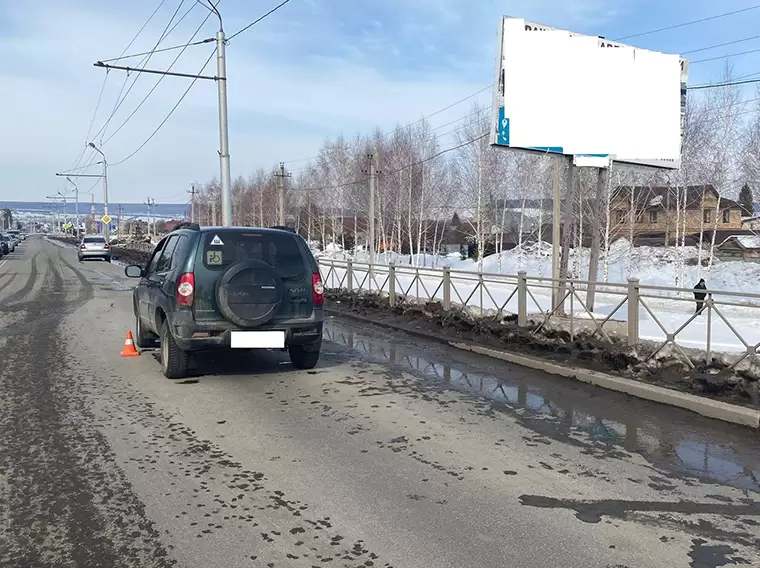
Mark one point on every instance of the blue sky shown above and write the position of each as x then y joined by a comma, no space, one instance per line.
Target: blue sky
314,69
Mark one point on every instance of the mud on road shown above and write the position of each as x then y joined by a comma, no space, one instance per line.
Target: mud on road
393,452
62,500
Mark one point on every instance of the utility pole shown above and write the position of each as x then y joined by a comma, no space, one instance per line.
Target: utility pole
372,172
56,220
191,191
224,140
76,190
151,202
118,222
556,245
596,237
567,226
221,81
281,175
76,206
106,226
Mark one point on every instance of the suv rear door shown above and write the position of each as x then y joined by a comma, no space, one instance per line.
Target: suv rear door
251,270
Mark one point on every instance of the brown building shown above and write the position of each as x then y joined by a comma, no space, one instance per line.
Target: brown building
654,211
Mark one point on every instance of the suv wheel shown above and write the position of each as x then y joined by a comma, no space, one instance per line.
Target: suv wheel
304,356
143,338
174,361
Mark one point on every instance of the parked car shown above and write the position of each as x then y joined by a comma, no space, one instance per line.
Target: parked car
94,246
8,242
228,288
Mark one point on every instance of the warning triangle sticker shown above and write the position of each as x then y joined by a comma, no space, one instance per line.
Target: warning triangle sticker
216,240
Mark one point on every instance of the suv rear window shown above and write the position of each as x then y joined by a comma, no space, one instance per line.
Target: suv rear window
94,239
281,251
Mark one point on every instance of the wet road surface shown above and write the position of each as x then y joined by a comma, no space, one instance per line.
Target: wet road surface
392,453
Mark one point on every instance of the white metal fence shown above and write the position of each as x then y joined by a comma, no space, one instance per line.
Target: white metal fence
727,325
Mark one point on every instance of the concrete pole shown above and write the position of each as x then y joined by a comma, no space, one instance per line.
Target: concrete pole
224,140
567,225
371,214
556,214
596,238
281,194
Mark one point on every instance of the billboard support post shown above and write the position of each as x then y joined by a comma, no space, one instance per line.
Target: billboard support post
556,214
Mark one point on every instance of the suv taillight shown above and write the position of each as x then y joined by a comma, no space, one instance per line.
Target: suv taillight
186,289
83,246
106,246
318,290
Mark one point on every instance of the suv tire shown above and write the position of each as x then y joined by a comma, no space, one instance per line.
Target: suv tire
174,361
304,357
143,339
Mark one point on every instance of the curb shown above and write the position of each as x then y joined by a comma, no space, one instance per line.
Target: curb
709,408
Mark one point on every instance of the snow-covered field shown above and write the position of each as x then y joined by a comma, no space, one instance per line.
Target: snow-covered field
652,266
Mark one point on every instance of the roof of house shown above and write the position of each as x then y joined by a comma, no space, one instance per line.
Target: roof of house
665,196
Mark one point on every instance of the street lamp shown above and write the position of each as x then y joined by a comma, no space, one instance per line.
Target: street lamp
76,202
65,219
106,226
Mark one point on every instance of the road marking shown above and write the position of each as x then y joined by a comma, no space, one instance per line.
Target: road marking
3,262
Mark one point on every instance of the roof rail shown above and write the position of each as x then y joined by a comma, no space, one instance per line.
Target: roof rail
186,225
283,228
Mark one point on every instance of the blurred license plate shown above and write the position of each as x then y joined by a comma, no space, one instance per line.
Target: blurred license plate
257,340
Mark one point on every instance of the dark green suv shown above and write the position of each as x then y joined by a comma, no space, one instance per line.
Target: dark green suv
229,287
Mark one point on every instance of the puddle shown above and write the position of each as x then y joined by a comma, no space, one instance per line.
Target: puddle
605,424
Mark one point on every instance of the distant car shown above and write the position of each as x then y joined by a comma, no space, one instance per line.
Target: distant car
227,288
94,246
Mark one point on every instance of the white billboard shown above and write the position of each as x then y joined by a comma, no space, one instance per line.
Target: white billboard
566,93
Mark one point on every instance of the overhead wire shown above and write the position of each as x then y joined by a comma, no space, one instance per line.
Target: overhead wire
162,50
690,23
182,97
142,65
77,161
160,79
168,115
257,20
684,24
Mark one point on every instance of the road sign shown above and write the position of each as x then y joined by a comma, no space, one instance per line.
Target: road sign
105,219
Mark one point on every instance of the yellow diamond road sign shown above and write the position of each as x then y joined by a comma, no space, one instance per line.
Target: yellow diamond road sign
105,219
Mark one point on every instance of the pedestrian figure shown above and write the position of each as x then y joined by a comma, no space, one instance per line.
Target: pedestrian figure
699,296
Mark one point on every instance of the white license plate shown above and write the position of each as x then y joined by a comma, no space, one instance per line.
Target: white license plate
257,340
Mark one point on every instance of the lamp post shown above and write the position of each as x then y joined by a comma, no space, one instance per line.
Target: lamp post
106,226
65,213
76,202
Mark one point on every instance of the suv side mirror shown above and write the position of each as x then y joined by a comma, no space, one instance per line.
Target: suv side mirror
134,271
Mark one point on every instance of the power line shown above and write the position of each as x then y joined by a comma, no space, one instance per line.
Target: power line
402,168
724,44
257,20
691,23
725,84
164,34
145,98
724,56
162,50
424,118
105,79
168,115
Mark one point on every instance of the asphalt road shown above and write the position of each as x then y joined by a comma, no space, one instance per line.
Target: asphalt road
392,453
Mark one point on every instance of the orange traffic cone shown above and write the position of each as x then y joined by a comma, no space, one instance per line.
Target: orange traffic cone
129,347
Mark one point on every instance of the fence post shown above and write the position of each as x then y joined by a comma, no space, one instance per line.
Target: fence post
633,311
392,284
349,275
522,298
446,288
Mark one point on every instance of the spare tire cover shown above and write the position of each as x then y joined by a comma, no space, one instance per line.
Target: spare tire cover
249,293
